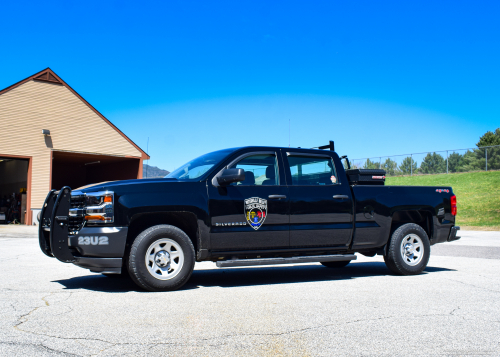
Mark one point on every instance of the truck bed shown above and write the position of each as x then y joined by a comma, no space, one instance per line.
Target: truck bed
377,207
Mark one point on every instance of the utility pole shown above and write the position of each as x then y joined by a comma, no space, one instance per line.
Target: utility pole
411,164
446,161
147,152
288,132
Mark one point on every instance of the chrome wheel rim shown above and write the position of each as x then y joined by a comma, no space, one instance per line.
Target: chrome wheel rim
412,249
164,259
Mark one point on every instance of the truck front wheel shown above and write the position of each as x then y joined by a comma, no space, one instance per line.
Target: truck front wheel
409,250
161,258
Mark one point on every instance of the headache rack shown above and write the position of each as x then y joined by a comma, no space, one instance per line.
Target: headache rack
330,146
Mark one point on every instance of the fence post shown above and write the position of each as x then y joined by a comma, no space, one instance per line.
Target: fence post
411,164
486,152
446,161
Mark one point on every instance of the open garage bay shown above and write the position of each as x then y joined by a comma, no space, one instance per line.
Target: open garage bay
453,309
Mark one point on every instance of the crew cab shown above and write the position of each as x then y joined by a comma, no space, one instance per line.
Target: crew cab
241,207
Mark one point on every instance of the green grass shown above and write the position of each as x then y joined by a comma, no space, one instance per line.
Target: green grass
478,194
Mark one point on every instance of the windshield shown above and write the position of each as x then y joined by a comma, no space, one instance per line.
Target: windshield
194,169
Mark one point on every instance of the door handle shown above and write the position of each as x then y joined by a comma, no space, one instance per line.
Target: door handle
340,197
277,196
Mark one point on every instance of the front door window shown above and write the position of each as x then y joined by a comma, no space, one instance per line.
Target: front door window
260,170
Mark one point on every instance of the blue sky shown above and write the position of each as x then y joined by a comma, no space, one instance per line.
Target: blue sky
378,77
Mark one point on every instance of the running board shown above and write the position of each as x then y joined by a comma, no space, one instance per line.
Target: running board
292,260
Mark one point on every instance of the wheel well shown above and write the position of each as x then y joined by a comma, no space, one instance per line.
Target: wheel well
420,217
185,221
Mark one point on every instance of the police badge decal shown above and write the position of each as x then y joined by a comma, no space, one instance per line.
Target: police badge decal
255,211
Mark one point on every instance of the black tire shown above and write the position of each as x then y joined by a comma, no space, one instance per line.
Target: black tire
419,250
145,275
337,264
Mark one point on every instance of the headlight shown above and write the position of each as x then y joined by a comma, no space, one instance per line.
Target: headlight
99,207
93,207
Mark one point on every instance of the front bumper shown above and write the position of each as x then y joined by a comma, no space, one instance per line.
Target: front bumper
99,242
99,249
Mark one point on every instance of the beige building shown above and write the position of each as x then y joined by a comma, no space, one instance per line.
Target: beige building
51,137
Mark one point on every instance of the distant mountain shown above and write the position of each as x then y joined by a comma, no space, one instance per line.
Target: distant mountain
153,171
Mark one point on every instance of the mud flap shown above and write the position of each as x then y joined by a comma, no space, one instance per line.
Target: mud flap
59,226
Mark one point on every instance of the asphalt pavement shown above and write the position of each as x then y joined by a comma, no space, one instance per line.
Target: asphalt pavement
48,308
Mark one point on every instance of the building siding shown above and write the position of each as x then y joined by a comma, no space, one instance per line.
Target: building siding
27,109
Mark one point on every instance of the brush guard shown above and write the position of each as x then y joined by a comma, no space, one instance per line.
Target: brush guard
53,231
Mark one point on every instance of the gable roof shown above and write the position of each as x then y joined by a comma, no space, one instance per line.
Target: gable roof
47,75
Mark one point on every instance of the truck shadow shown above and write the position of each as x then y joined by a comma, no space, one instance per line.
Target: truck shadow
240,277
227,278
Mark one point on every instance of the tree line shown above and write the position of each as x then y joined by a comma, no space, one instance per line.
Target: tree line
472,160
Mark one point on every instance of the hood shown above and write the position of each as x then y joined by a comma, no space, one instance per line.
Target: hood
111,184
91,185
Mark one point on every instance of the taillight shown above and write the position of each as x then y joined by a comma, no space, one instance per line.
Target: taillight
453,201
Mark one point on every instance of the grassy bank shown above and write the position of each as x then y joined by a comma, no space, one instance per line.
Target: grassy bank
478,195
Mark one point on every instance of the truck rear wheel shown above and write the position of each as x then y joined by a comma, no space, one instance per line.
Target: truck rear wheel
337,264
161,258
409,250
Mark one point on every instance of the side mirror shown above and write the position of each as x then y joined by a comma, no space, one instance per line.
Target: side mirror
229,176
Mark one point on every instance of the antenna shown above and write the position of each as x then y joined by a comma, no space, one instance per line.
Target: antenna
289,132
147,152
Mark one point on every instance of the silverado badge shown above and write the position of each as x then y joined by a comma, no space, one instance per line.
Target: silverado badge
255,211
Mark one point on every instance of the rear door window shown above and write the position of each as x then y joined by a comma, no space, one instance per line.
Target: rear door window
312,171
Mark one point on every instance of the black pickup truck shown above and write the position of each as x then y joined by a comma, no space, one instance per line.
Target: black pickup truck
245,206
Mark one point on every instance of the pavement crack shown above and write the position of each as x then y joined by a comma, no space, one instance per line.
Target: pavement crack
104,349
297,330
207,341
65,312
76,339
41,345
12,258
479,287
58,351
44,299
24,318
320,326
